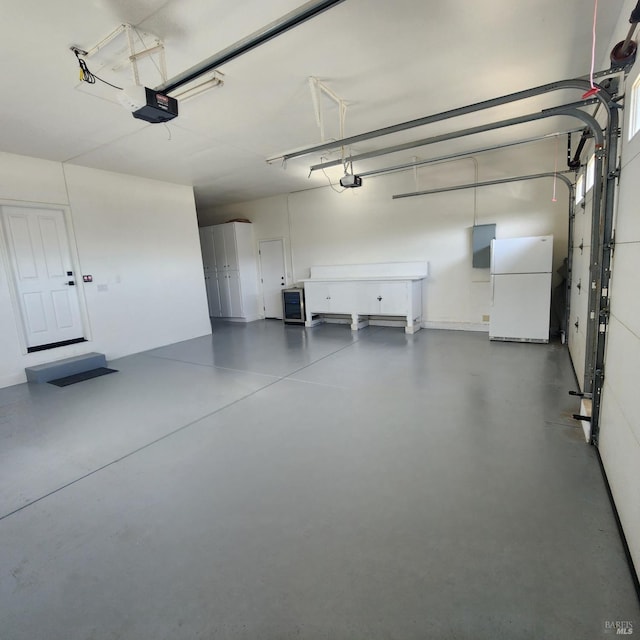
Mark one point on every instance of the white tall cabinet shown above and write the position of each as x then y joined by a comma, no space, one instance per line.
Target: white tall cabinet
230,270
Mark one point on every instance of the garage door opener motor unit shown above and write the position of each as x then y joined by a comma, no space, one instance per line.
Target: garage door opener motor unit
149,105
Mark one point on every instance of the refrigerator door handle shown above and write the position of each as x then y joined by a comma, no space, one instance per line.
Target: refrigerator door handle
493,288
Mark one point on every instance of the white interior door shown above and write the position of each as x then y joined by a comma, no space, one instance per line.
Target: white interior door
43,274
273,276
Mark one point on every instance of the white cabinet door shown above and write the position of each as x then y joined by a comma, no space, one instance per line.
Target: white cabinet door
206,244
225,295
230,247
235,294
317,298
213,295
341,297
395,298
383,298
207,287
367,302
218,247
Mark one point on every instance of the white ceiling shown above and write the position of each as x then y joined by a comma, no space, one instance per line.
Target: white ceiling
390,61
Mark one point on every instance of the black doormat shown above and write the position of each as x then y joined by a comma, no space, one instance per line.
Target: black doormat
79,377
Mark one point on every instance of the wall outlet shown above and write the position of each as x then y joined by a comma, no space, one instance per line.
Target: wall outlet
485,318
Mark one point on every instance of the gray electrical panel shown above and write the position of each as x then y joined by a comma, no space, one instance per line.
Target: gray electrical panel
482,235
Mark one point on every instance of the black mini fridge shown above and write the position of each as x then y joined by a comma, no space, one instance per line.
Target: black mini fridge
293,305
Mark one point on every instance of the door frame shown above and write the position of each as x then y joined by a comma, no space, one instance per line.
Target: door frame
11,280
282,241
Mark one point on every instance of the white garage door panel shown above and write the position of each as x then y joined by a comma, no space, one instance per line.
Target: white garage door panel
620,453
625,293
623,370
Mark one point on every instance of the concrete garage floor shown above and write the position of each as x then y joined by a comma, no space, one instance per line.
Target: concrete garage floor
273,482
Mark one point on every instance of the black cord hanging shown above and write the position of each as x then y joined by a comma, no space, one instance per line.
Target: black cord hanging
86,75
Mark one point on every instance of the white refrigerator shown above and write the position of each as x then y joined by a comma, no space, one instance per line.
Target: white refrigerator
521,289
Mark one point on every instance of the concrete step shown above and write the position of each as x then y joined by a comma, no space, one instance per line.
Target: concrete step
66,367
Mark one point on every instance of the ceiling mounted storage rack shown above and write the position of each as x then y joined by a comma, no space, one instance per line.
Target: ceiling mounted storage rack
127,46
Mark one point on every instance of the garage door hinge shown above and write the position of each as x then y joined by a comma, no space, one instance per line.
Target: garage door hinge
611,245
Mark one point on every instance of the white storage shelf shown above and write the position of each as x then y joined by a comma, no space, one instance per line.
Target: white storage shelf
230,271
366,295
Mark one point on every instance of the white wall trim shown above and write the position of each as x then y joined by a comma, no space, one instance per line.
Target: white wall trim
457,326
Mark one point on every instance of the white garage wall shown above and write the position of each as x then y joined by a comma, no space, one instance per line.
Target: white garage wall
366,225
136,236
620,421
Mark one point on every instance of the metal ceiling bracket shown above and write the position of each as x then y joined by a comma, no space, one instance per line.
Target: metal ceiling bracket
318,89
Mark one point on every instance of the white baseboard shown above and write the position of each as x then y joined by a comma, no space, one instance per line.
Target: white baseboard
9,381
457,326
